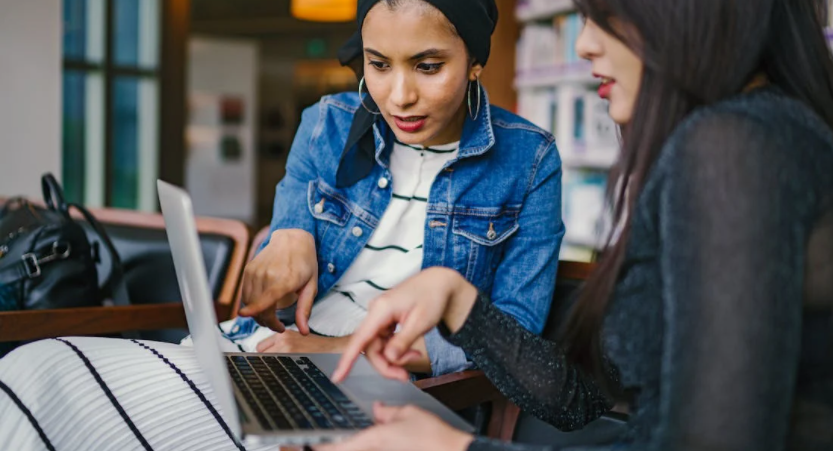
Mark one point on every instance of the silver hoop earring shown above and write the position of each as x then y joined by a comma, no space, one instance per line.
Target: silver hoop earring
361,99
468,98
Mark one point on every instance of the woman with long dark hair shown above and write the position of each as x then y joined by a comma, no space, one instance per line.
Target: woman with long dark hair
710,313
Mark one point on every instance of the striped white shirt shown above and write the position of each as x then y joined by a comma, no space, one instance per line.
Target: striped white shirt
394,252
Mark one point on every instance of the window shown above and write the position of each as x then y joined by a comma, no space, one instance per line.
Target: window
111,102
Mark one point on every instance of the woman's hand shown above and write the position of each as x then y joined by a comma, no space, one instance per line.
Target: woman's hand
283,273
404,429
417,305
291,342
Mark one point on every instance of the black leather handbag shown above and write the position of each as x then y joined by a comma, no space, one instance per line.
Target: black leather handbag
47,260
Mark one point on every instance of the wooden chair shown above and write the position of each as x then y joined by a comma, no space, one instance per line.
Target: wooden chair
141,241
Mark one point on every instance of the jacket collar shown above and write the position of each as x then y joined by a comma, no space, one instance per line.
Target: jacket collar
370,141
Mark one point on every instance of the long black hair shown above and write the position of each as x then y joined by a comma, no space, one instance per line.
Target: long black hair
695,53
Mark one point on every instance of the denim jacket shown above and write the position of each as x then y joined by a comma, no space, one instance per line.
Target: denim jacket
493,214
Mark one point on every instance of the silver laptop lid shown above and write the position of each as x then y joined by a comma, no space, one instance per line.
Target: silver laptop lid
196,296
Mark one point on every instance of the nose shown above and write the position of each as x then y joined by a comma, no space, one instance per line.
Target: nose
587,45
404,93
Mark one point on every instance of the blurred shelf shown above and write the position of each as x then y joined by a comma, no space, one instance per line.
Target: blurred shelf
552,9
542,77
589,160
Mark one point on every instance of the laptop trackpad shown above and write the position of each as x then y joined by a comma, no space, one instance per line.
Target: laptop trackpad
365,390
375,388
366,386
327,363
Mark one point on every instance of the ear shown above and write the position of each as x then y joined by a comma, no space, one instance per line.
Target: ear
475,71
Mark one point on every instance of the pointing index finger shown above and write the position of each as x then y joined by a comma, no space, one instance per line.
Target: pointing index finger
376,323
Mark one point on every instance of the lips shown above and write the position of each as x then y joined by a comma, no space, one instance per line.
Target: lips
606,85
410,124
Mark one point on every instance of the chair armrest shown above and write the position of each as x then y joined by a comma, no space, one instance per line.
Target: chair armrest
471,388
37,324
460,390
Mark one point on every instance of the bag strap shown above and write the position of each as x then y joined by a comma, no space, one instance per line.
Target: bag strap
53,194
115,285
29,265
22,269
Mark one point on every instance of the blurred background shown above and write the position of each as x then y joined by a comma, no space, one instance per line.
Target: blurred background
112,94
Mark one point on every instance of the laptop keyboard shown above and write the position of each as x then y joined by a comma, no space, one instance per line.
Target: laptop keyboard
293,394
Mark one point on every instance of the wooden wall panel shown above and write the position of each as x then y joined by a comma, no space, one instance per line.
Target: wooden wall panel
499,75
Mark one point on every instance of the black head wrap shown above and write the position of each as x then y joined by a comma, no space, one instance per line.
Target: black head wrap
475,21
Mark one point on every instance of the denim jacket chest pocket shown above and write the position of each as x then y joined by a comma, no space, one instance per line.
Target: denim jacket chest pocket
330,210
480,236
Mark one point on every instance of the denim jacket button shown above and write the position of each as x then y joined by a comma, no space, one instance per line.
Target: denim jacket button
491,234
383,183
331,268
357,232
319,207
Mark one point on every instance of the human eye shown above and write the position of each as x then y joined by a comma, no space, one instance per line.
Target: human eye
430,68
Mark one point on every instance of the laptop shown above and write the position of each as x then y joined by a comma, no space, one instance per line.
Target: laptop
284,399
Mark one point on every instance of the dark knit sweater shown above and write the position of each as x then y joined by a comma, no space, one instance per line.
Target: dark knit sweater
721,327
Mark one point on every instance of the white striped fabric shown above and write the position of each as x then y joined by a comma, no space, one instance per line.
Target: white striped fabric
394,252
92,394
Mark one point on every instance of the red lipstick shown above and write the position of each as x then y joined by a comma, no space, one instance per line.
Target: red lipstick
606,86
410,124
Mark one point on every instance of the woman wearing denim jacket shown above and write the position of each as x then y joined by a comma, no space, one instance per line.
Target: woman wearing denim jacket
483,184
350,218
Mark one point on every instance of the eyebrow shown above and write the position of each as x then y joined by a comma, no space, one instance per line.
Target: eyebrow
419,56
